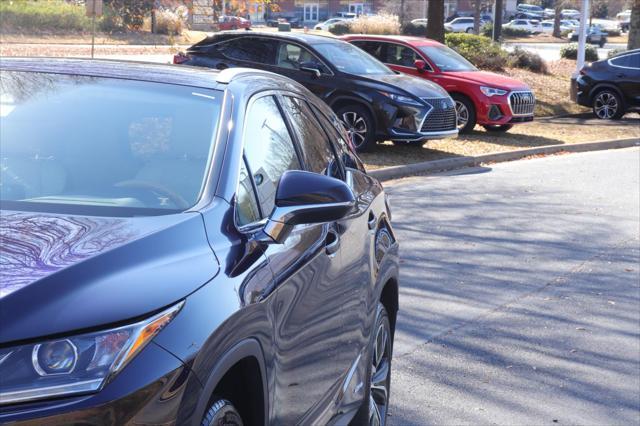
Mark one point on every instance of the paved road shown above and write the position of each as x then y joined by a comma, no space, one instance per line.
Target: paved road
551,51
520,297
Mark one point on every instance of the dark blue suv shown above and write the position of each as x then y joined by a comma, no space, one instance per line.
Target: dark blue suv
182,246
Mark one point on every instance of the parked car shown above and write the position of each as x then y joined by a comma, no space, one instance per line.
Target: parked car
530,8
611,87
420,21
527,15
624,18
547,27
460,25
492,100
329,23
161,266
292,20
570,14
374,103
549,13
595,35
347,15
226,22
531,26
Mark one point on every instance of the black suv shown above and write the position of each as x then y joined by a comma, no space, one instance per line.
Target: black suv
611,86
374,103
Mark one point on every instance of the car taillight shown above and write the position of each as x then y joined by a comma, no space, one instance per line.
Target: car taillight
180,58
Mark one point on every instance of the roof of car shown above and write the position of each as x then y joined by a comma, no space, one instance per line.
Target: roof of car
297,36
413,41
143,71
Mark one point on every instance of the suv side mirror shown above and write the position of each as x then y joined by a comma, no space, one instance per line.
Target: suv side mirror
420,65
306,198
312,68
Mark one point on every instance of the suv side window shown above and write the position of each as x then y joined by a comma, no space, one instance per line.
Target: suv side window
627,61
335,130
373,48
268,149
398,54
291,56
251,49
316,149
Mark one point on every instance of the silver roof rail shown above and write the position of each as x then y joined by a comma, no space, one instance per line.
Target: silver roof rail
226,75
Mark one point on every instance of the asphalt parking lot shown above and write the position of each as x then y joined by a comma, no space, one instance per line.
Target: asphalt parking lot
520,298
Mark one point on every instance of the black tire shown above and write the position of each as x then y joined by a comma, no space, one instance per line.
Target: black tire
360,126
601,43
372,413
463,103
469,30
222,413
495,128
607,105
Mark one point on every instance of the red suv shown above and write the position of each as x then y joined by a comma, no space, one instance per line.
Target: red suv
494,101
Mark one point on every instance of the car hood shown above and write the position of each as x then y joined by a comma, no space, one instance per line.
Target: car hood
491,79
408,84
62,273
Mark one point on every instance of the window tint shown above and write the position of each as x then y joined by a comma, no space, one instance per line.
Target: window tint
373,48
335,130
247,206
316,150
268,149
627,61
292,56
401,55
249,49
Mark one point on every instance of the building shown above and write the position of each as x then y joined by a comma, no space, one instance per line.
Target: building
312,11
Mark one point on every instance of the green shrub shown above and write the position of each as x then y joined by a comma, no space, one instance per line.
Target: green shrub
340,28
478,50
614,52
487,31
521,58
565,33
412,29
570,51
41,16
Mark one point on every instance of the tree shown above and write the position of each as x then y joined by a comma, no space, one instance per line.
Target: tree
435,23
557,18
634,26
476,17
497,21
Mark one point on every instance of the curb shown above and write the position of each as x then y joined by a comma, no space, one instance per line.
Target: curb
430,167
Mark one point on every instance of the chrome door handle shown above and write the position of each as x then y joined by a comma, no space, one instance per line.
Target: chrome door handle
332,242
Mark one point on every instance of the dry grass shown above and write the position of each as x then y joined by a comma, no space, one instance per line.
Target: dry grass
542,133
376,24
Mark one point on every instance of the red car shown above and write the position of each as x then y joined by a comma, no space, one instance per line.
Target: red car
494,101
232,23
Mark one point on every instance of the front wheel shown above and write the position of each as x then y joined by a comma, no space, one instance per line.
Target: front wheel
607,105
465,112
360,126
498,128
376,402
222,413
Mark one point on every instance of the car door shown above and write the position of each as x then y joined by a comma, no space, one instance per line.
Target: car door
291,60
626,75
306,270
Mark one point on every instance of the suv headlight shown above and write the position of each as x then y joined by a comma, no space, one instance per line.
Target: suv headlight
402,99
74,365
491,91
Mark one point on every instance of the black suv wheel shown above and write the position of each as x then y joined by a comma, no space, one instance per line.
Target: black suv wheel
607,105
359,125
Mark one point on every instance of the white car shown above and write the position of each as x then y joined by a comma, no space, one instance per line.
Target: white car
421,21
329,23
460,25
547,26
570,14
530,25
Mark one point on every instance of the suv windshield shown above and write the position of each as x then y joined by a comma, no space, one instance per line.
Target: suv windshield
447,59
351,60
86,143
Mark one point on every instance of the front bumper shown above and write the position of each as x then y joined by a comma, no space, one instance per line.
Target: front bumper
513,108
435,120
152,389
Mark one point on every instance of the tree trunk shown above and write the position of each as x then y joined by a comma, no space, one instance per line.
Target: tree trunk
435,23
497,21
476,18
634,26
402,15
556,20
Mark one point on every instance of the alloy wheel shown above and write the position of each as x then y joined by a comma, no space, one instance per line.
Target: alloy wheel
605,105
463,115
380,370
356,128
